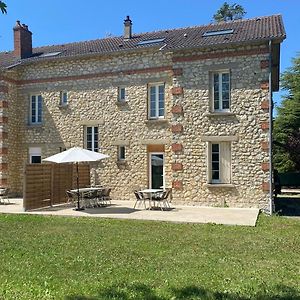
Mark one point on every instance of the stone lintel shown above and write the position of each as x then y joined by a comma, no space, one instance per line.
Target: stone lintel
219,138
155,141
91,122
120,143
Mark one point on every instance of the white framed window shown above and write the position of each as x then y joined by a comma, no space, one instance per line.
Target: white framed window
156,94
221,91
122,94
92,138
121,153
36,109
35,155
63,98
219,162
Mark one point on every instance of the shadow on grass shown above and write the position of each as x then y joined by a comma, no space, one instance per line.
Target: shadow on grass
139,291
287,206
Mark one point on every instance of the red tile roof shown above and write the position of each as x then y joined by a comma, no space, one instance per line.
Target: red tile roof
244,31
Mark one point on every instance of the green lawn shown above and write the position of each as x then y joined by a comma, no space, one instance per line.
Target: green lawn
91,258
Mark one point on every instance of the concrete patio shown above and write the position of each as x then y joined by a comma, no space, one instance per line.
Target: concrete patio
124,210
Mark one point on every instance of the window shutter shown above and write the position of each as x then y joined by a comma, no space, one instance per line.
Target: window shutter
225,162
208,160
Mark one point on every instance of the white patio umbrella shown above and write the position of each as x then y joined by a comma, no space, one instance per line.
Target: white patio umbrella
76,155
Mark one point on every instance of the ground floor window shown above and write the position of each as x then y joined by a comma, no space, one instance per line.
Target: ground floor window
35,155
92,138
219,162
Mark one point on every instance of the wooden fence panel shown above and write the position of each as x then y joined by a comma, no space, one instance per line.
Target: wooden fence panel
46,184
37,186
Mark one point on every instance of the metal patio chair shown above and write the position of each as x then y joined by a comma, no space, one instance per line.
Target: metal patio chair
4,196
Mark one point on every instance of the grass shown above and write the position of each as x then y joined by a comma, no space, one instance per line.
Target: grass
89,258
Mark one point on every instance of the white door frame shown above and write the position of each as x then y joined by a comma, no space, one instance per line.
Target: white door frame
150,169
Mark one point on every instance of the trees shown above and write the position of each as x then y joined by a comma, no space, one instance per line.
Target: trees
229,12
286,132
3,7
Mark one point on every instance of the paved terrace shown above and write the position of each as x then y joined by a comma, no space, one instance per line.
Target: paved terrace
124,210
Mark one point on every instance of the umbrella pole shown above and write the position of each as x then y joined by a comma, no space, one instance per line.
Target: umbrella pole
78,196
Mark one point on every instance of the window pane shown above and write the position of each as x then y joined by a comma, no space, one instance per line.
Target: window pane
122,94
122,152
215,148
225,77
33,109
152,113
39,117
225,104
36,159
89,130
215,175
152,90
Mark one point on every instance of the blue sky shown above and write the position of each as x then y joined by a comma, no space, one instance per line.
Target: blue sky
63,21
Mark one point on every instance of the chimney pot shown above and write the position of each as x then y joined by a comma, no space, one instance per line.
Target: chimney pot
127,28
22,41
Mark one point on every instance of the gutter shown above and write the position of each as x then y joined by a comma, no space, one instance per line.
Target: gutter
270,131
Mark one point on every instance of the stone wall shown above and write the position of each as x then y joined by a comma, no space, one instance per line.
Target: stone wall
92,84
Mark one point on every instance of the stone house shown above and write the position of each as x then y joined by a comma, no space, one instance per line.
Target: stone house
184,108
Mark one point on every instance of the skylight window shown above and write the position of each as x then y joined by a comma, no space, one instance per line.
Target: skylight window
50,54
147,42
217,32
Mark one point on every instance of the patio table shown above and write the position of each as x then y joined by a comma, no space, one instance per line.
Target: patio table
151,192
85,190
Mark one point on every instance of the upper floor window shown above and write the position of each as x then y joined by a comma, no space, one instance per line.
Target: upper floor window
221,91
63,98
219,162
121,94
35,109
91,138
156,101
121,153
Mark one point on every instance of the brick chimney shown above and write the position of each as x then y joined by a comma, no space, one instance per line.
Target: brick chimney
22,41
127,28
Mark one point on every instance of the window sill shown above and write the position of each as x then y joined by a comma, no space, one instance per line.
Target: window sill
156,121
220,185
219,114
63,106
39,125
122,103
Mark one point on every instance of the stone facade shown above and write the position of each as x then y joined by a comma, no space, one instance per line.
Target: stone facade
183,135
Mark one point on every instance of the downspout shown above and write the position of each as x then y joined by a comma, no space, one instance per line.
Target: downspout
270,130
